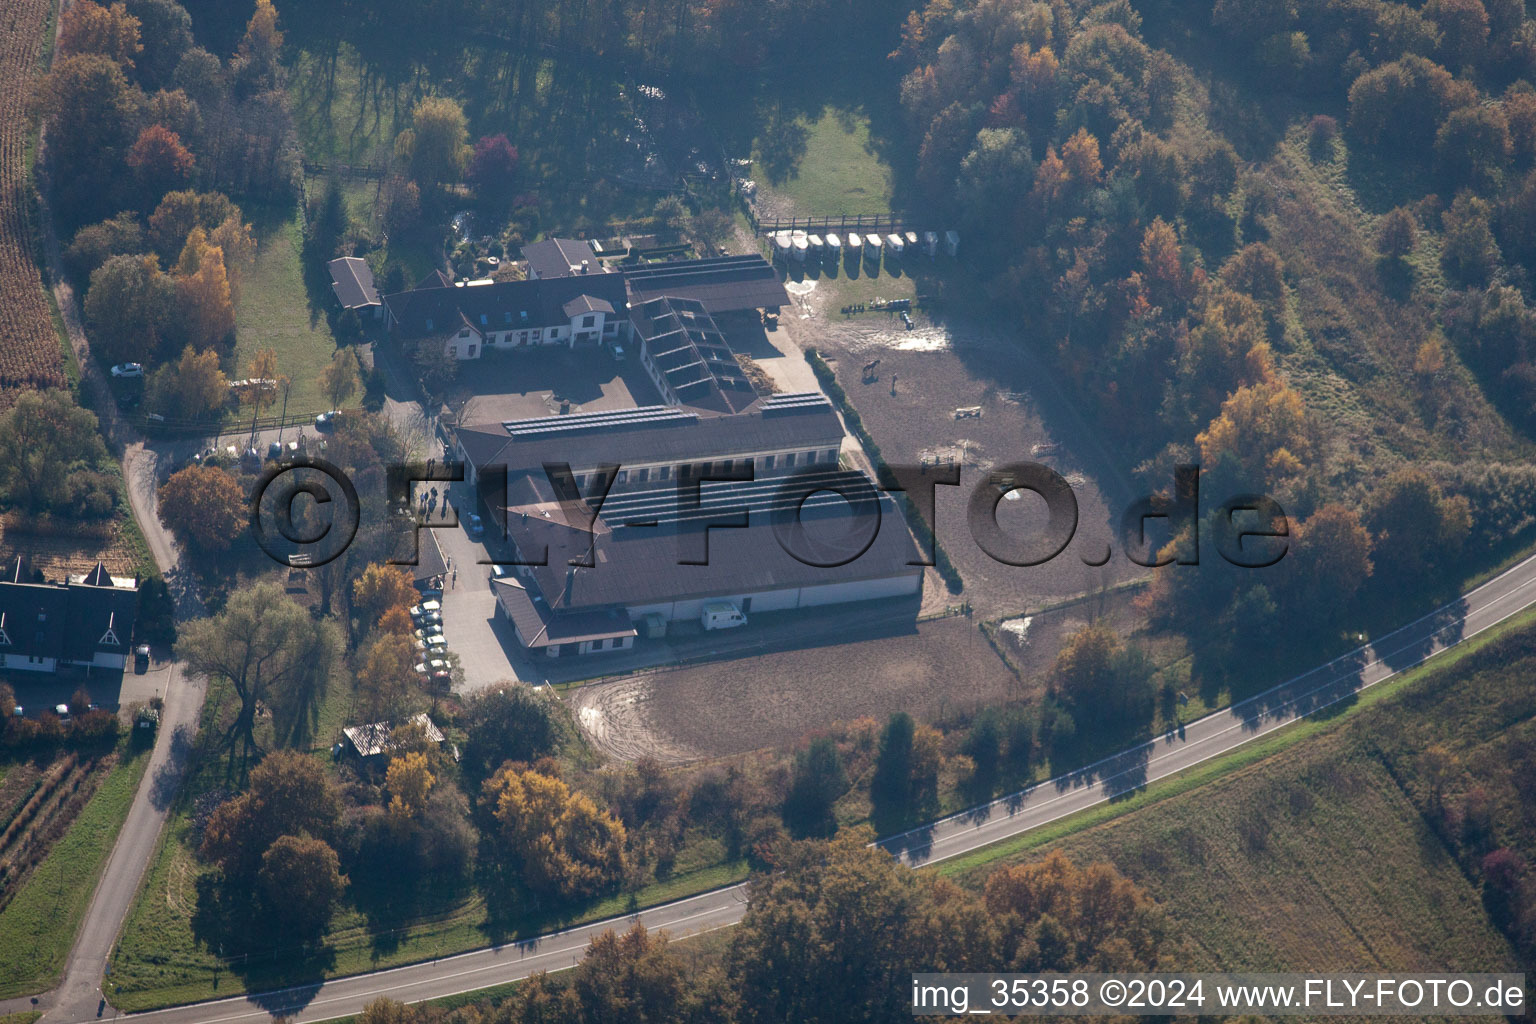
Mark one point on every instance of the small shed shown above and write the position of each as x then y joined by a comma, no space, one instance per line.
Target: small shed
352,282
377,738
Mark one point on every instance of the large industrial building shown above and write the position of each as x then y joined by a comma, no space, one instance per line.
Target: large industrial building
646,533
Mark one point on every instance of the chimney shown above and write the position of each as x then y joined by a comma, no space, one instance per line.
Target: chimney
583,266
570,583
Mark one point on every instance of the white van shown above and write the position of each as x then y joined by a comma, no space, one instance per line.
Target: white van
721,615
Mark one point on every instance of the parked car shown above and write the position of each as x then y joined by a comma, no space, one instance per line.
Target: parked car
275,450
431,645
62,710
432,667
427,606
427,618
128,370
474,524
430,593
327,420
431,634
721,615
141,659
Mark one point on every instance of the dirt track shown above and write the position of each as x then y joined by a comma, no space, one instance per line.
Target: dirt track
773,699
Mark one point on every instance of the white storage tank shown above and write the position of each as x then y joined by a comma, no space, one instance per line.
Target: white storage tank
781,245
816,245
802,246
834,247
952,242
931,243
894,245
855,246
911,237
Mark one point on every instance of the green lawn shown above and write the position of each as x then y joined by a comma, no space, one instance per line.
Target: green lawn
835,173
37,928
274,313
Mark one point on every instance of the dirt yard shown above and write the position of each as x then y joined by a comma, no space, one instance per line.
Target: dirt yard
956,392
732,706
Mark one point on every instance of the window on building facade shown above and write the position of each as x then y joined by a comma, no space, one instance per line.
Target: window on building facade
588,321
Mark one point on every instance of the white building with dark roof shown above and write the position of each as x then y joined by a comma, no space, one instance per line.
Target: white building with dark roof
352,281
85,622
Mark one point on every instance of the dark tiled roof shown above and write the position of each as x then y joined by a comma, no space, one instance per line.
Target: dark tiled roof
554,257
654,434
352,282
67,621
723,284
501,306
639,565
539,627
687,349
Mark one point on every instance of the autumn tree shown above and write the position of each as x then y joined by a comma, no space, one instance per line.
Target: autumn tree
1054,916
1262,429
265,381
289,794
409,780
506,722
204,506
386,678
1468,253
1328,564
165,29
1472,148
835,933
130,309
89,27
205,308
559,841
905,780
192,387
1463,26
493,169
45,439
1400,105
159,162
1397,234
181,211
381,587
272,652
340,379
300,882
96,243
1419,529
1100,678
92,113
435,148
818,781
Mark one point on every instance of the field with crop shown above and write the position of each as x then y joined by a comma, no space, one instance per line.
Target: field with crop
30,356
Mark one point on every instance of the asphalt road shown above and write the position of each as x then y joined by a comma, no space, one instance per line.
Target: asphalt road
1321,688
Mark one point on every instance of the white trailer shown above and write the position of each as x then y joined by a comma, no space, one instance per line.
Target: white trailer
855,246
872,247
781,246
952,242
931,243
721,615
894,245
911,237
802,246
816,244
834,247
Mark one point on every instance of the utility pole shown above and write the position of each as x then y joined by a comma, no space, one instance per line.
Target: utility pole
283,419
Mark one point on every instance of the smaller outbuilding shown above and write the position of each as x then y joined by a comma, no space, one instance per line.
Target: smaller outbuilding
376,739
352,282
